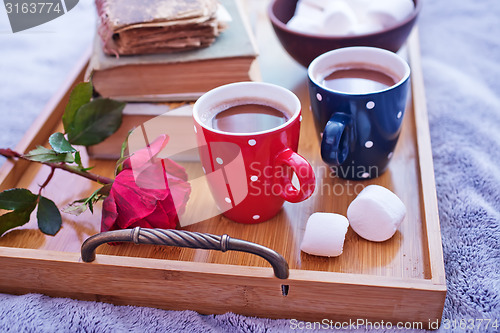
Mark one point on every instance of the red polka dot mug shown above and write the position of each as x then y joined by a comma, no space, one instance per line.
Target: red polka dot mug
249,156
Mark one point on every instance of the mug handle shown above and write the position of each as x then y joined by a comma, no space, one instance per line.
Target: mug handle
304,173
336,139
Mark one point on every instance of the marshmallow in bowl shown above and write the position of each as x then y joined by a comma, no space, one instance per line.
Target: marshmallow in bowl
376,213
304,24
367,27
318,4
307,18
325,234
308,11
348,17
388,12
338,18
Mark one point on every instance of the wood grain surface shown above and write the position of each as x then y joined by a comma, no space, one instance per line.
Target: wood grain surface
410,261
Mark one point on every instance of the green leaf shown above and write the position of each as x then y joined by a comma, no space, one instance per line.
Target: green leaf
17,199
59,143
75,208
125,144
78,160
80,95
42,154
40,150
14,219
95,121
119,163
91,206
49,217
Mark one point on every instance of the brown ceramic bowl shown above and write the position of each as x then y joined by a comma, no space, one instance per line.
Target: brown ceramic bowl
304,47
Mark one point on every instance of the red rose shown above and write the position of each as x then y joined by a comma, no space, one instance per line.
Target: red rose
149,192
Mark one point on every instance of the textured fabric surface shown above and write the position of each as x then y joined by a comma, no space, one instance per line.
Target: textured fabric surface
461,62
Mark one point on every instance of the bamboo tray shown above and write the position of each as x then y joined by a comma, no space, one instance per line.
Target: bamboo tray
401,279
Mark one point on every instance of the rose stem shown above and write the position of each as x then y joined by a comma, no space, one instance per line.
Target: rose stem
52,169
96,178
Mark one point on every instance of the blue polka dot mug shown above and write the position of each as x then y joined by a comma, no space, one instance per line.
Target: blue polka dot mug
358,98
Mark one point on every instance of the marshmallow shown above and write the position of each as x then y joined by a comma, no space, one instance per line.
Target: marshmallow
319,4
360,7
306,10
325,234
376,213
389,12
343,17
304,24
338,19
367,27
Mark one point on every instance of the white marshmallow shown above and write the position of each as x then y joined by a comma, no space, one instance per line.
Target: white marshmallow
338,19
376,213
359,7
304,24
325,234
389,12
345,17
306,10
367,27
319,4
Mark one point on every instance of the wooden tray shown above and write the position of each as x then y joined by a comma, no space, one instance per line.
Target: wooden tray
401,279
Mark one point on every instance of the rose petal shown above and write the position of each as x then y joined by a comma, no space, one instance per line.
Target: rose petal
109,214
149,192
174,169
152,177
132,202
180,192
147,154
164,216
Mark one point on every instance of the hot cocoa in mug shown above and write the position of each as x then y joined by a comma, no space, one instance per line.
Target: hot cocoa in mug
359,78
358,98
248,117
248,136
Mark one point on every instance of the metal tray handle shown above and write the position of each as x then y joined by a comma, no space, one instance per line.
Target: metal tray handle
182,238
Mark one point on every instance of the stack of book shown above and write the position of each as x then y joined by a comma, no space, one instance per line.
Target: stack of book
133,58
177,76
152,26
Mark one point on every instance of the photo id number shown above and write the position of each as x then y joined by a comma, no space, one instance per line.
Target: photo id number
32,7
471,324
